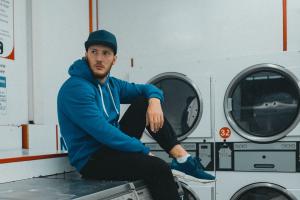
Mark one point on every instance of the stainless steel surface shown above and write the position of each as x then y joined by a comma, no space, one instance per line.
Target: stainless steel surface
60,187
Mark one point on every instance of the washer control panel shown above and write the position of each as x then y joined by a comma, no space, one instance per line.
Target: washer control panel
247,156
204,151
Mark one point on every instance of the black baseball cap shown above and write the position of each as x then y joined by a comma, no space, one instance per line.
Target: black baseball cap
102,37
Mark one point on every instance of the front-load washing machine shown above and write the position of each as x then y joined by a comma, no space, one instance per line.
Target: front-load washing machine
187,98
258,171
193,190
257,186
187,108
257,98
198,191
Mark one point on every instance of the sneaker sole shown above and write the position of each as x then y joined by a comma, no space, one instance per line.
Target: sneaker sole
183,176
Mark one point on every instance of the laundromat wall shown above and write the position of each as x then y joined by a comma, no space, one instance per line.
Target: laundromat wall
49,36
14,98
173,31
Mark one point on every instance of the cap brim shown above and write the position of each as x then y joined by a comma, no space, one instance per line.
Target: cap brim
104,43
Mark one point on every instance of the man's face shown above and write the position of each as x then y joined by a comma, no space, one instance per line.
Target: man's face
100,59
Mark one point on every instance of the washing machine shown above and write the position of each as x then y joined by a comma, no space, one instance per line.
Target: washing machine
193,190
198,191
258,186
258,171
257,98
187,98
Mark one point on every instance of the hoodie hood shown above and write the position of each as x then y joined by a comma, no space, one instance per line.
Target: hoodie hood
81,69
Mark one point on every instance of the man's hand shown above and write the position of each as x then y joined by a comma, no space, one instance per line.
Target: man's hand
154,116
150,154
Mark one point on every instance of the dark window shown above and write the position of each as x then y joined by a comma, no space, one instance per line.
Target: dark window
181,105
263,193
1,47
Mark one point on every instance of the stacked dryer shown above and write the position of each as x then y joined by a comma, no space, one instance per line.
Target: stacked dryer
187,108
257,113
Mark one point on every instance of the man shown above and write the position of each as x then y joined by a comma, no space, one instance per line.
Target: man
99,146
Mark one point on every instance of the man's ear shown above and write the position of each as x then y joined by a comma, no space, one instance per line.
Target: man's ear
115,59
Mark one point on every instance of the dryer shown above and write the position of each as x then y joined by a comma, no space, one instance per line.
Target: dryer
257,98
256,171
187,98
198,191
193,190
258,186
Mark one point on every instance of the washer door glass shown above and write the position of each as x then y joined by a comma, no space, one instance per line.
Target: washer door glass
264,103
182,105
188,193
263,191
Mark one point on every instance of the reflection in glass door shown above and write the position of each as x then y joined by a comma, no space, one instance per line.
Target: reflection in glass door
262,103
182,105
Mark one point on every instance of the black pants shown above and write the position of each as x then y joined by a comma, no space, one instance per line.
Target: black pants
109,164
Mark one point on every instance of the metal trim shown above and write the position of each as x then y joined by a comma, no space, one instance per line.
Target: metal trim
190,82
235,81
190,189
279,188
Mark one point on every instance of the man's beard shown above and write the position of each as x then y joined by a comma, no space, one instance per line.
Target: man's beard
95,74
100,76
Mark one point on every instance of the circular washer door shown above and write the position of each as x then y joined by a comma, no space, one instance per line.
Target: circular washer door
188,192
262,103
182,105
263,191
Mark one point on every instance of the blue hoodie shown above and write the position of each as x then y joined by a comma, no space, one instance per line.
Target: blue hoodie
89,119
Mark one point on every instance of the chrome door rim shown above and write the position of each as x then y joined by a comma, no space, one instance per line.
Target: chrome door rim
190,189
279,188
190,82
237,79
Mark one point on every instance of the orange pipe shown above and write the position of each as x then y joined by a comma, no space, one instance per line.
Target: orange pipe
284,22
28,158
25,136
97,14
91,15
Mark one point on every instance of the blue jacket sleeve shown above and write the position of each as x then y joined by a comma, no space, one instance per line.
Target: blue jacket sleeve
79,105
130,91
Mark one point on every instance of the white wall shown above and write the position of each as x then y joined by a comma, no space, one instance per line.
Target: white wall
153,32
59,31
16,83
293,17
173,30
16,71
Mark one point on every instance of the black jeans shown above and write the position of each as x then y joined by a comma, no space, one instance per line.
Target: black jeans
109,164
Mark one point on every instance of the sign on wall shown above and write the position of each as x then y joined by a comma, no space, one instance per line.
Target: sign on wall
3,94
7,29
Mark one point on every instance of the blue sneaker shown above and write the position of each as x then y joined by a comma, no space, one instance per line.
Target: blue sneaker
192,169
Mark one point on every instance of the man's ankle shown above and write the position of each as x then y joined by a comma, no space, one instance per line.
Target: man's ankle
183,159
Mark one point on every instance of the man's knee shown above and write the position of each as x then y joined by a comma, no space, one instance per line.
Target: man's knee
140,102
160,166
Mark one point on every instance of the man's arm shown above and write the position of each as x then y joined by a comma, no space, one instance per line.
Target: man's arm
78,103
131,91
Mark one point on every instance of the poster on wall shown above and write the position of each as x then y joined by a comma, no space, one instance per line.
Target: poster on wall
3,94
7,29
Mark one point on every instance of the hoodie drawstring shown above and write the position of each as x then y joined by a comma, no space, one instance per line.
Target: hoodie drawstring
112,98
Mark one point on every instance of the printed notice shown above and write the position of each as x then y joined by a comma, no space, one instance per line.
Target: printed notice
6,29
3,94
